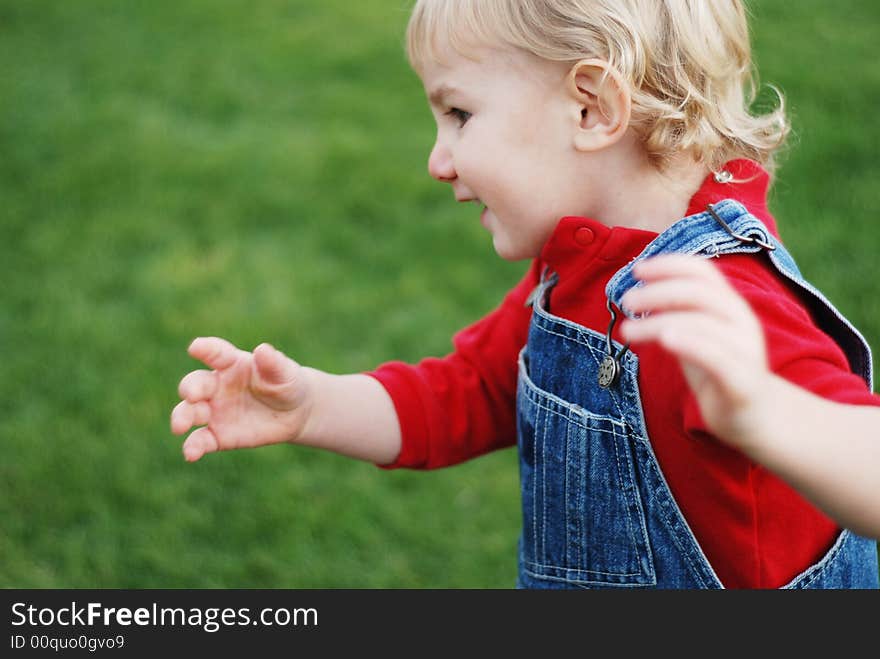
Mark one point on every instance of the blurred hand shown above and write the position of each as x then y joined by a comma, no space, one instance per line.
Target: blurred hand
246,400
698,317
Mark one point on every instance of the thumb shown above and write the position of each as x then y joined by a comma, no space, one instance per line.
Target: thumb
273,367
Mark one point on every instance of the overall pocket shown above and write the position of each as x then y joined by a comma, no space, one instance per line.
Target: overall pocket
583,520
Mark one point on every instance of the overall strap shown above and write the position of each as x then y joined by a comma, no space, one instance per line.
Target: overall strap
728,228
724,228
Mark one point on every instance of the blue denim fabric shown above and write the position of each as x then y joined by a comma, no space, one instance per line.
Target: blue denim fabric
597,512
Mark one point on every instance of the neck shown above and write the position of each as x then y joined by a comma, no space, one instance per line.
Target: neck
644,198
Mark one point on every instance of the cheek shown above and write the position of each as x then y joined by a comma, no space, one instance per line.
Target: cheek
481,166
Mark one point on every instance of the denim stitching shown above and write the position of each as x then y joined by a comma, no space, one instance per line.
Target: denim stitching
535,488
568,569
577,423
864,356
567,492
593,356
543,501
577,338
822,566
537,395
620,476
580,333
586,585
544,491
581,525
676,528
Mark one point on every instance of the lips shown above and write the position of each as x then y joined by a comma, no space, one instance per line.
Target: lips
479,203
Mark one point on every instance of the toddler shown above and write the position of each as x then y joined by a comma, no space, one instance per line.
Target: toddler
667,374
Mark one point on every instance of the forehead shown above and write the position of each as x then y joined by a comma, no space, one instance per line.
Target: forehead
453,75
483,68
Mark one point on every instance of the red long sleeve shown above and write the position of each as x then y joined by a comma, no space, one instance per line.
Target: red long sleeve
462,405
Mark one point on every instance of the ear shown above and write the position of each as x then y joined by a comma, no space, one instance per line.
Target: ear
603,102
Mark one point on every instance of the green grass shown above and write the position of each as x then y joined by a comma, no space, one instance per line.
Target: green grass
258,171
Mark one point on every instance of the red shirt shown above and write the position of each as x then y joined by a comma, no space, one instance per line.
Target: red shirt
755,530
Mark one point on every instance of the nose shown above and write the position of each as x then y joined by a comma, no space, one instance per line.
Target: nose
440,163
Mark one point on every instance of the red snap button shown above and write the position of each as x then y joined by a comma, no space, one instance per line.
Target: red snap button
584,236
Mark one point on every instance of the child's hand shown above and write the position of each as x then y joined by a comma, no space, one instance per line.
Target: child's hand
248,400
698,317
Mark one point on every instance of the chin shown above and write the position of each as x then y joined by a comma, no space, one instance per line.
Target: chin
510,252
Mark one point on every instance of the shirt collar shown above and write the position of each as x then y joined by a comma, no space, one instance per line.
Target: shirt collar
580,239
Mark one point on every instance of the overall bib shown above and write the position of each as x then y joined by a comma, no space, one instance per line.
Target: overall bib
597,512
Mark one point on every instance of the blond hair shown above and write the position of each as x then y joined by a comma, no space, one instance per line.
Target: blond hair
687,62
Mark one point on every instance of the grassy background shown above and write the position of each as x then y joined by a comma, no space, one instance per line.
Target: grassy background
257,171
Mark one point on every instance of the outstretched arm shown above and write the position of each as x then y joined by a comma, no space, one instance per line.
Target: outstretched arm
829,451
264,397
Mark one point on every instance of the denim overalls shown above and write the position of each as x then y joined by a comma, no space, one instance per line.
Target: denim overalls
597,511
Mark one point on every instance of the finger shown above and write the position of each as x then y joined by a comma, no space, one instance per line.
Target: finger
702,342
679,294
185,415
655,327
698,357
696,350
273,366
198,385
181,417
668,266
213,351
201,414
199,442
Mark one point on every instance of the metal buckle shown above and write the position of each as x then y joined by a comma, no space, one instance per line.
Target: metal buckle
609,369
744,239
546,282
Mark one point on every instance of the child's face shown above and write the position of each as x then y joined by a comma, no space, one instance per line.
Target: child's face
504,140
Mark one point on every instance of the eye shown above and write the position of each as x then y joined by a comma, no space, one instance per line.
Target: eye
460,115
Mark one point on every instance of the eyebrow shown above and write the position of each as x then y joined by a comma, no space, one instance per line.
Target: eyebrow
438,96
